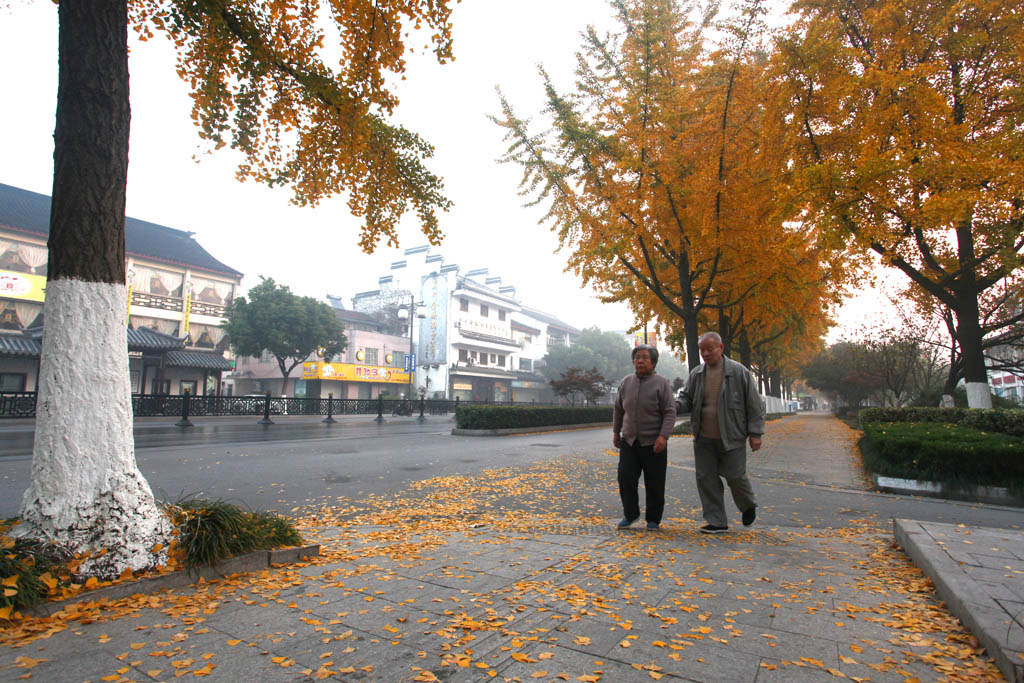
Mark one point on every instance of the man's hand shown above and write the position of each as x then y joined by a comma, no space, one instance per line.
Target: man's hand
615,439
755,443
660,444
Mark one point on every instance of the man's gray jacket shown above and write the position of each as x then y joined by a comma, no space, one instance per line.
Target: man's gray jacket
739,405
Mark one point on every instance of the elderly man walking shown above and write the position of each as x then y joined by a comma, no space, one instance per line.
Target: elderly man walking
643,417
726,412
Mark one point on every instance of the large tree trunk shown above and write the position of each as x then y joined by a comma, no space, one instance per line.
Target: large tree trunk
969,318
87,493
969,335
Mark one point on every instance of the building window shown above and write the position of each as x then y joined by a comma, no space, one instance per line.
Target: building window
483,359
371,357
526,364
12,381
501,314
463,304
212,291
494,359
156,281
501,361
463,356
483,311
23,257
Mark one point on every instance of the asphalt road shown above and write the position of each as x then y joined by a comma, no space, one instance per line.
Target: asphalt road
302,470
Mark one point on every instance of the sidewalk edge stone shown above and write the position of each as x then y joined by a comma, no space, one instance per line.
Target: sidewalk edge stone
249,562
975,609
993,495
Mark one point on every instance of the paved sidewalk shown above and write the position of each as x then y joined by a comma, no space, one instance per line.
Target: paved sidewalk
812,447
518,574
980,575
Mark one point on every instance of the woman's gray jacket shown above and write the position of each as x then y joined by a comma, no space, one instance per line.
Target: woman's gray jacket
740,413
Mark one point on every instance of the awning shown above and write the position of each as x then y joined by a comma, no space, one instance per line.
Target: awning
479,336
203,360
145,339
19,345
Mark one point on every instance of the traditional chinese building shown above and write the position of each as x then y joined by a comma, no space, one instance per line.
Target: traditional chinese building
371,365
474,340
177,291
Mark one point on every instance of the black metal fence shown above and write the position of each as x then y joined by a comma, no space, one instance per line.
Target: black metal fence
23,404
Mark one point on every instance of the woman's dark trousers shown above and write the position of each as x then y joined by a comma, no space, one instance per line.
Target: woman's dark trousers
635,460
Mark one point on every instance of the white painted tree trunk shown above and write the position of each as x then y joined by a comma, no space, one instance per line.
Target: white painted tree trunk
978,395
87,493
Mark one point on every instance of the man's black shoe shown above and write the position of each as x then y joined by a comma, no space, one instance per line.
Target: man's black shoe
625,523
653,526
749,516
712,529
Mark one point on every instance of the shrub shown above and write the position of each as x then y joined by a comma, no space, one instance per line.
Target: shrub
511,417
212,531
1009,422
938,451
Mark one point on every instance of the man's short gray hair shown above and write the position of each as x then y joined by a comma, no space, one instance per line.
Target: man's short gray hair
713,336
645,347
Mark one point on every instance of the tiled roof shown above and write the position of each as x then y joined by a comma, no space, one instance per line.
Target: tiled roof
473,286
19,345
491,338
29,212
204,360
551,320
522,327
346,315
146,339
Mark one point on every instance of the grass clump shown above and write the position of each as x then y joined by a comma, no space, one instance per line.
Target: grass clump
210,531
949,453
30,571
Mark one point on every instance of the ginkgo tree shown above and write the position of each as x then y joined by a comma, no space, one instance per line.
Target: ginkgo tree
905,121
660,183
260,85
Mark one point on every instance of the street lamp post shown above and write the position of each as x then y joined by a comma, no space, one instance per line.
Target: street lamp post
410,310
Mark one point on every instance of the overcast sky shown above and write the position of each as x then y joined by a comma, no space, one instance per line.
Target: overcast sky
313,250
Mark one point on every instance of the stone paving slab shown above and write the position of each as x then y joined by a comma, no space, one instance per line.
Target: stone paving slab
626,606
974,570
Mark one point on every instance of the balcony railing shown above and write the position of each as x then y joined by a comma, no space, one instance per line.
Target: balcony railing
204,308
167,303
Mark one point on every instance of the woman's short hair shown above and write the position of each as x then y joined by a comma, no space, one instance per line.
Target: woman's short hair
645,347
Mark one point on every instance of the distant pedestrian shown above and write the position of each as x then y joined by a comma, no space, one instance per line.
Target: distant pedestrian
643,417
726,412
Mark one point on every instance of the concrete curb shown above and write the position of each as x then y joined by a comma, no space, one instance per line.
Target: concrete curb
528,430
993,495
250,562
963,596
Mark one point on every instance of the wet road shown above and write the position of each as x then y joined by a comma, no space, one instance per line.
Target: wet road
292,467
302,467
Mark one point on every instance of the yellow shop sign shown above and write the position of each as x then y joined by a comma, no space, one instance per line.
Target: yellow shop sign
349,372
23,286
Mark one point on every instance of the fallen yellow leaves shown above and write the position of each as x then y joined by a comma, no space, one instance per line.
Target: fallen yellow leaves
27,662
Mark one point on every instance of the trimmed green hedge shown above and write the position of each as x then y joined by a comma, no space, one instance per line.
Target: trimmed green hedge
1000,421
511,417
949,453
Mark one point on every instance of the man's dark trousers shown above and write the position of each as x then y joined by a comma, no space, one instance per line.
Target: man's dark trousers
635,459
